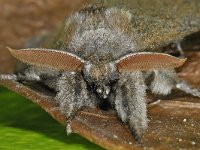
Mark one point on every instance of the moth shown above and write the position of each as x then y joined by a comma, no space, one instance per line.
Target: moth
106,55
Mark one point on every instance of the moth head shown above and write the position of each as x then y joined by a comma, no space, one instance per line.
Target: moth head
100,77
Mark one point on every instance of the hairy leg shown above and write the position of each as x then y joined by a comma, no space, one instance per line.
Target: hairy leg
131,103
164,81
72,95
71,89
8,77
181,85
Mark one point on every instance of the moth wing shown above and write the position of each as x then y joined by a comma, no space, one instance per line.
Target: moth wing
159,22
148,61
49,58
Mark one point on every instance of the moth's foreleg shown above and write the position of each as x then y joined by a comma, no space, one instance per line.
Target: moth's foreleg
121,104
72,95
131,102
32,73
29,73
12,77
187,88
163,81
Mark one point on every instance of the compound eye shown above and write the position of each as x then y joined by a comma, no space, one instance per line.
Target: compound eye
107,91
99,90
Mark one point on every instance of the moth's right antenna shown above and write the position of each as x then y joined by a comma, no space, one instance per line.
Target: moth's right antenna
144,61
